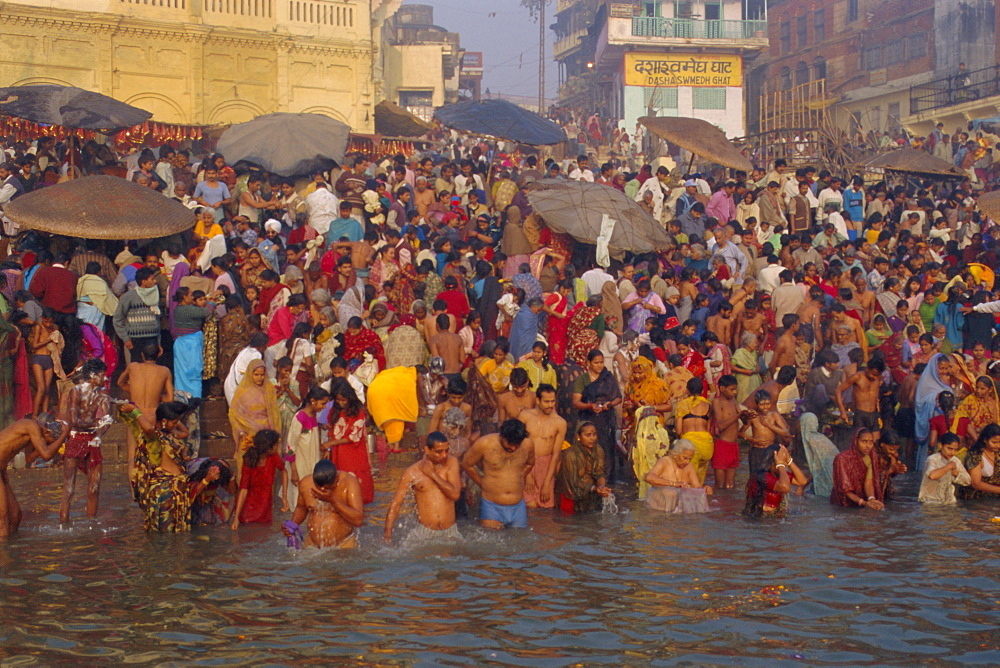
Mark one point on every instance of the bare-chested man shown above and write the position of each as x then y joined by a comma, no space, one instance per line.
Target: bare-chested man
85,410
456,399
547,431
507,459
866,385
751,320
439,307
519,398
809,317
448,346
147,384
721,324
437,484
18,436
330,502
784,351
726,427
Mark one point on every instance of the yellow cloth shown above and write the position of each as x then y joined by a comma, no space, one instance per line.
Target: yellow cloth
254,407
652,391
704,448
651,442
392,400
213,231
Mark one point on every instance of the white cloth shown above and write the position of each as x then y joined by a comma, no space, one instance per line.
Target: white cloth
603,255
581,175
323,207
652,185
357,385
214,247
767,278
596,278
237,369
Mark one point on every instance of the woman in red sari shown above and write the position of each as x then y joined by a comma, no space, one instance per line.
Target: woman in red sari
358,339
557,306
348,444
854,474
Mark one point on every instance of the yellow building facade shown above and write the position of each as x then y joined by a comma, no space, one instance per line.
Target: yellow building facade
203,62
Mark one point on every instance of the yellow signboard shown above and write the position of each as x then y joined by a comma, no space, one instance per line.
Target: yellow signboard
682,69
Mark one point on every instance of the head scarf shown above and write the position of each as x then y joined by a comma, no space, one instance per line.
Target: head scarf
979,412
252,405
820,453
611,306
651,391
351,304
929,387
181,271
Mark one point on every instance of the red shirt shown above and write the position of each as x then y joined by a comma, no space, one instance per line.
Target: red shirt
259,483
55,287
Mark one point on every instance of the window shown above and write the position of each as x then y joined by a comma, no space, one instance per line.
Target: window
801,28
895,52
416,98
819,68
871,58
819,26
801,73
917,46
893,113
785,36
708,98
660,98
852,11
786,78
682,9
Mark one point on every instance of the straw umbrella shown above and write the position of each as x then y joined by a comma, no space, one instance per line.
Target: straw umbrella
700,137
989,203
911,161
392,120
100,207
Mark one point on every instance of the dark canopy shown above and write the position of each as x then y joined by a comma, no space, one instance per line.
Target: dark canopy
287,144
70,107
500,119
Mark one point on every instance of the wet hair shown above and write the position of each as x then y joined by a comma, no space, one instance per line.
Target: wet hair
171,410
519,377
544,388
324,473
695,386
727,380
434,438
263,443
457,386
91,368
761,395
785,375
151,351
513,431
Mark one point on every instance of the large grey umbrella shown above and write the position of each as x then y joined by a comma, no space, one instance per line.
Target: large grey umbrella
577,208
500,119
100,207
286,144
70,107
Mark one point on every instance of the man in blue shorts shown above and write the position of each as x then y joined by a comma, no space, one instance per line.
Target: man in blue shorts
506,458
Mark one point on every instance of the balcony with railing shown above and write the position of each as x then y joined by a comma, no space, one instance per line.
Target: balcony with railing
959,88
668,27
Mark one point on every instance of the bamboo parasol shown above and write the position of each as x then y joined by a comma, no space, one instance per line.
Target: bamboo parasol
100,207
700,137
912,161
392,120
989,203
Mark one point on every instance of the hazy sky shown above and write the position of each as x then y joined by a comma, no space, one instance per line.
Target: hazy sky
508,37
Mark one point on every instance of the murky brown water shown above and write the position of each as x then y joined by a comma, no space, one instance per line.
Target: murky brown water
909,585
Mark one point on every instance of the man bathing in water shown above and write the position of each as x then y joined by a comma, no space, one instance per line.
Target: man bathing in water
547,431
518,399
85,410
866,385
506,458
766,425
20,435
437,485
330,504
147,384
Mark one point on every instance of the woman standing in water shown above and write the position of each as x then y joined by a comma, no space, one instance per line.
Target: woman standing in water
855,473
348,444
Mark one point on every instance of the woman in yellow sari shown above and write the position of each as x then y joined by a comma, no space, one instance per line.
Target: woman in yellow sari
644,388
254,407
496,368
980,408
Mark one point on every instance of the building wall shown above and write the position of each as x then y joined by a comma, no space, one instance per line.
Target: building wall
729,119
199,61
414,67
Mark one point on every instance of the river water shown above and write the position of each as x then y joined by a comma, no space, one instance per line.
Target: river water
824,586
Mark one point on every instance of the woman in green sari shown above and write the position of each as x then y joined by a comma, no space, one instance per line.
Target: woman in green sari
746,367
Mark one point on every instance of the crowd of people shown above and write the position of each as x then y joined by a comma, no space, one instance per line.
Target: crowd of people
837,332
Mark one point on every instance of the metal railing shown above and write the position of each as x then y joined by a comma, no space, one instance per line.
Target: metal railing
955,89
657,26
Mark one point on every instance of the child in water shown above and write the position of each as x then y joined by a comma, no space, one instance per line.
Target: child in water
943,471
260,463
766,425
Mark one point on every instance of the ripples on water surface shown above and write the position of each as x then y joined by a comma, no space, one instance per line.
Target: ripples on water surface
909,585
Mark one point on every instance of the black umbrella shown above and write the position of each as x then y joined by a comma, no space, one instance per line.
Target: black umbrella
287,144
70,107
500,119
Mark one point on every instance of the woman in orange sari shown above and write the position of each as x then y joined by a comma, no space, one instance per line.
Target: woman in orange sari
254,407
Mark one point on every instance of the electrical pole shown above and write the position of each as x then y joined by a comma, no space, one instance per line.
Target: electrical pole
541,57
